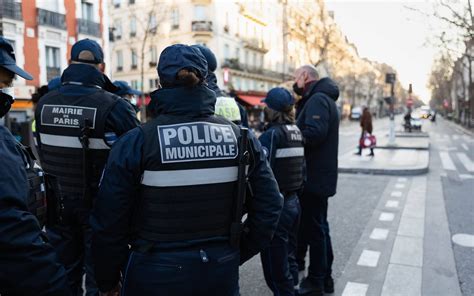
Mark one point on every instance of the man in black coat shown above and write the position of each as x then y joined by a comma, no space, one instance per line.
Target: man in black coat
318,120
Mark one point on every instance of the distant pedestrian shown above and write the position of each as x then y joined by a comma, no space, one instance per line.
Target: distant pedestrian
318,120
366,125
407,119
283,144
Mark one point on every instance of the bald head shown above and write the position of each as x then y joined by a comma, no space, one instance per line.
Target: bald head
305,74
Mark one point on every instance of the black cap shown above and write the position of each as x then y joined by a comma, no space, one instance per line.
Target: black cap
8,61
87,45
209,55
125,89
177,57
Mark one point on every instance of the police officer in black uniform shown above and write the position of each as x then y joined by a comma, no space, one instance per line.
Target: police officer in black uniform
28,264
76,127
168,191
283,144
125,91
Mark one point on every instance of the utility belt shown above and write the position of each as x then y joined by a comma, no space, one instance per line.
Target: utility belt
152,247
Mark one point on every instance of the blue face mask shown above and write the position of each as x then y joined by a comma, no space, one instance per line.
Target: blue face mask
6,100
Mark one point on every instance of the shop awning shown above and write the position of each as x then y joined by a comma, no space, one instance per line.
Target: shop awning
252,100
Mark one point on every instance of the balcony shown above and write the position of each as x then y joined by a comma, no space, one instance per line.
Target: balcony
88,27
234,64
255,44
11,10
202,28
51,19
52,72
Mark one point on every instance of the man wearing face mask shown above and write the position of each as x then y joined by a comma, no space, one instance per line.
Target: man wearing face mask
318,120
76,125
28,264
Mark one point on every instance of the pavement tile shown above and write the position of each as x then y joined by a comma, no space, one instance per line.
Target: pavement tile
402,280
369,258
355,289
379,234
407,251
413,227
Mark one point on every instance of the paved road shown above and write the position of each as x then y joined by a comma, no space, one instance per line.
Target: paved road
391,234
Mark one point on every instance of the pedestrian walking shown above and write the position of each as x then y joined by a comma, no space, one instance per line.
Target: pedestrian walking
366,125
172,190
318,120
28,263
76,125
283,143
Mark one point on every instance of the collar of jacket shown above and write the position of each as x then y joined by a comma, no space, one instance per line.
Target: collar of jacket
194,101
87,75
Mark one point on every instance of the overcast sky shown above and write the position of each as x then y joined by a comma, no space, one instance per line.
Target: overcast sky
386,31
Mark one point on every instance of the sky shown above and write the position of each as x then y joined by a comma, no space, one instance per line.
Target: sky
387,31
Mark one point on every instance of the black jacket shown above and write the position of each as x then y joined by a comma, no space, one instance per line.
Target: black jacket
318,120
117,197
28,264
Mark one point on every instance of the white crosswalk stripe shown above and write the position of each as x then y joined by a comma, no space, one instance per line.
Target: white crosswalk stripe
465,146
447,161
467,163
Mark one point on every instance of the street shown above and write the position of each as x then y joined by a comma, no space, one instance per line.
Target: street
392,235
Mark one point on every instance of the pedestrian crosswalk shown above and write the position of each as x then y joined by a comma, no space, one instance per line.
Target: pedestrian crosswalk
464,162
446,161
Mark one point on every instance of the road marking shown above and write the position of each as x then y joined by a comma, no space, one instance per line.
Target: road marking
399,185
455,137
396,194
465,146
402,179
444,148
384,216
355,289
464,240
446,161
392,204
467,163
369,258
465,176
468,138
443,174
379,234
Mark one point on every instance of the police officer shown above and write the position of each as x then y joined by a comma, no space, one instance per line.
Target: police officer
28,264
126,92
226,106
283,143
168,191
76,126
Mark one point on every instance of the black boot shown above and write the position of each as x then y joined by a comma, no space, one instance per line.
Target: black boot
360,151
371,152
307,288
329,285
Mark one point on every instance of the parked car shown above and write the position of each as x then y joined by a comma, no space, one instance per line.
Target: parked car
356,113
425,112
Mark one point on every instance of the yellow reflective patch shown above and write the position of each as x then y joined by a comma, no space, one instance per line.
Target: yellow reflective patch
227,108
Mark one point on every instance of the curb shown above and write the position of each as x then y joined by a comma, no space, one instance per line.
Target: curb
459,128
412,135
403,147
395,172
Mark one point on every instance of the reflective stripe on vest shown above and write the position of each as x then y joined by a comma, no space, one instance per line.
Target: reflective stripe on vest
289,152
72,142
190,177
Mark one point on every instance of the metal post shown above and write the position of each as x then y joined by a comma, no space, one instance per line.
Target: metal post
391,134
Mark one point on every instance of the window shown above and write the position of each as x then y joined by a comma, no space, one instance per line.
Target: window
254,60
226,26
237,53
237,83
226,51
131,1
119,60
246,57
175,18
87,11
153,23
53,62
133,27
118,29
153,56
200,13
153,83
134,84
134,59
262,60
117,3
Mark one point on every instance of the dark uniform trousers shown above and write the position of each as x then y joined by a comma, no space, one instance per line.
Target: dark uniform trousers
279,259
183,272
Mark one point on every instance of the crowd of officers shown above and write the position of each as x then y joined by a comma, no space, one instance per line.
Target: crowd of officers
156,209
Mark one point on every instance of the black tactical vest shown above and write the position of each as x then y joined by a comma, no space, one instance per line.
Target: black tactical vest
189,179
289,159
60,120
36,202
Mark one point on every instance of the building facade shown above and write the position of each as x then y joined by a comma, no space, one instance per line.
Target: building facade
247,42
42,33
